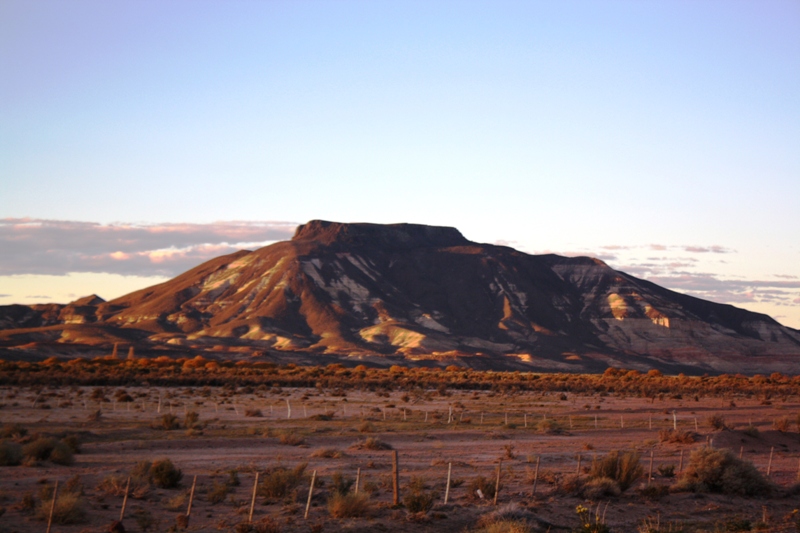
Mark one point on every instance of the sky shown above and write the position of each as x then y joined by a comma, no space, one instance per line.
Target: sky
140,138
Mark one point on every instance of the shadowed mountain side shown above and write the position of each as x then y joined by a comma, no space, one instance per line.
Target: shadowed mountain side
420,292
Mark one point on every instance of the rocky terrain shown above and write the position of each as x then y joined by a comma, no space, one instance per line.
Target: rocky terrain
411,293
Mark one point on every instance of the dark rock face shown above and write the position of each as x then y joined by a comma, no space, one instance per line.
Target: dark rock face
420,292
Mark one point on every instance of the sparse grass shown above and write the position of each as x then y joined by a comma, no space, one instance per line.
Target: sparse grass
164,474
69,508
280,482
677,437
328,453
366,427
218,493
623,468
485,485
751,431
10,453
291,438
419,501
371,443
719,470
717,422
166,422
341,484
782,424
348,505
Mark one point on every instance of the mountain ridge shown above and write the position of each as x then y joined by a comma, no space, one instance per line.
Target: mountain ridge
414,293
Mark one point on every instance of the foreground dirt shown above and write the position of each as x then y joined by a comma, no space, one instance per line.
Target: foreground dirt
475,433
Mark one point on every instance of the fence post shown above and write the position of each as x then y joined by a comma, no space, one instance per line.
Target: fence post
769,465
125,500
310,493
191,498
535,476
497,482
447,488
253,500
395,480
680,465
52,507
650,475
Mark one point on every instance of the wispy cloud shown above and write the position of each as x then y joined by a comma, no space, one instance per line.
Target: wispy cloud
37,246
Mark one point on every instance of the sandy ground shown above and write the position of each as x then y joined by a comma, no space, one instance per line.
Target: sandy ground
481,430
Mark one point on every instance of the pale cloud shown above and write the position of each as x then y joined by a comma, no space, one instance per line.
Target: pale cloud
708,249
56,247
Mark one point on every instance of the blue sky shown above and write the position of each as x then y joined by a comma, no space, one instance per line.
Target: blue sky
660,136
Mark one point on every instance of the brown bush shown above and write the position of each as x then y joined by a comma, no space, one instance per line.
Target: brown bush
371,443
280,482
348,505
624,468
719,470
677,437
291,438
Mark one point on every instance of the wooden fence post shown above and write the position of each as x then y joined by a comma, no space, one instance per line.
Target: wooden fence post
125,500
447,487
191,498
395,479
535,476
358,478
650,474
680,464
769,465
253,500
52,507
578,472
310,493
497,481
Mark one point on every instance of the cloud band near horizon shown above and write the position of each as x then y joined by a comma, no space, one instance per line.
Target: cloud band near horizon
57,247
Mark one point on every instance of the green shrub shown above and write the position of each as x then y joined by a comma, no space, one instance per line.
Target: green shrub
719,470
280,482
10,453
348,505
623,468
164,474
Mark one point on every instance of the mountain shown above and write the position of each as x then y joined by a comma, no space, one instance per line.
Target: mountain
412,293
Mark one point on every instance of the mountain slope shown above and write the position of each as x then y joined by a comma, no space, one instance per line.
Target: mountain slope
421,292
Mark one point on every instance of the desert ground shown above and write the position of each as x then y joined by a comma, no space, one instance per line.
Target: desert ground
543,445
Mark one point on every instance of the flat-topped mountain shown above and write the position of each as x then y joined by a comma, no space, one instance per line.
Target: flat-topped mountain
420,293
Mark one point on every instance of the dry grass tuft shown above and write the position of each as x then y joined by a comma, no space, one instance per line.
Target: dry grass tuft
328,453
623,468
371,443
720,471
348,505
280,482
677,437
